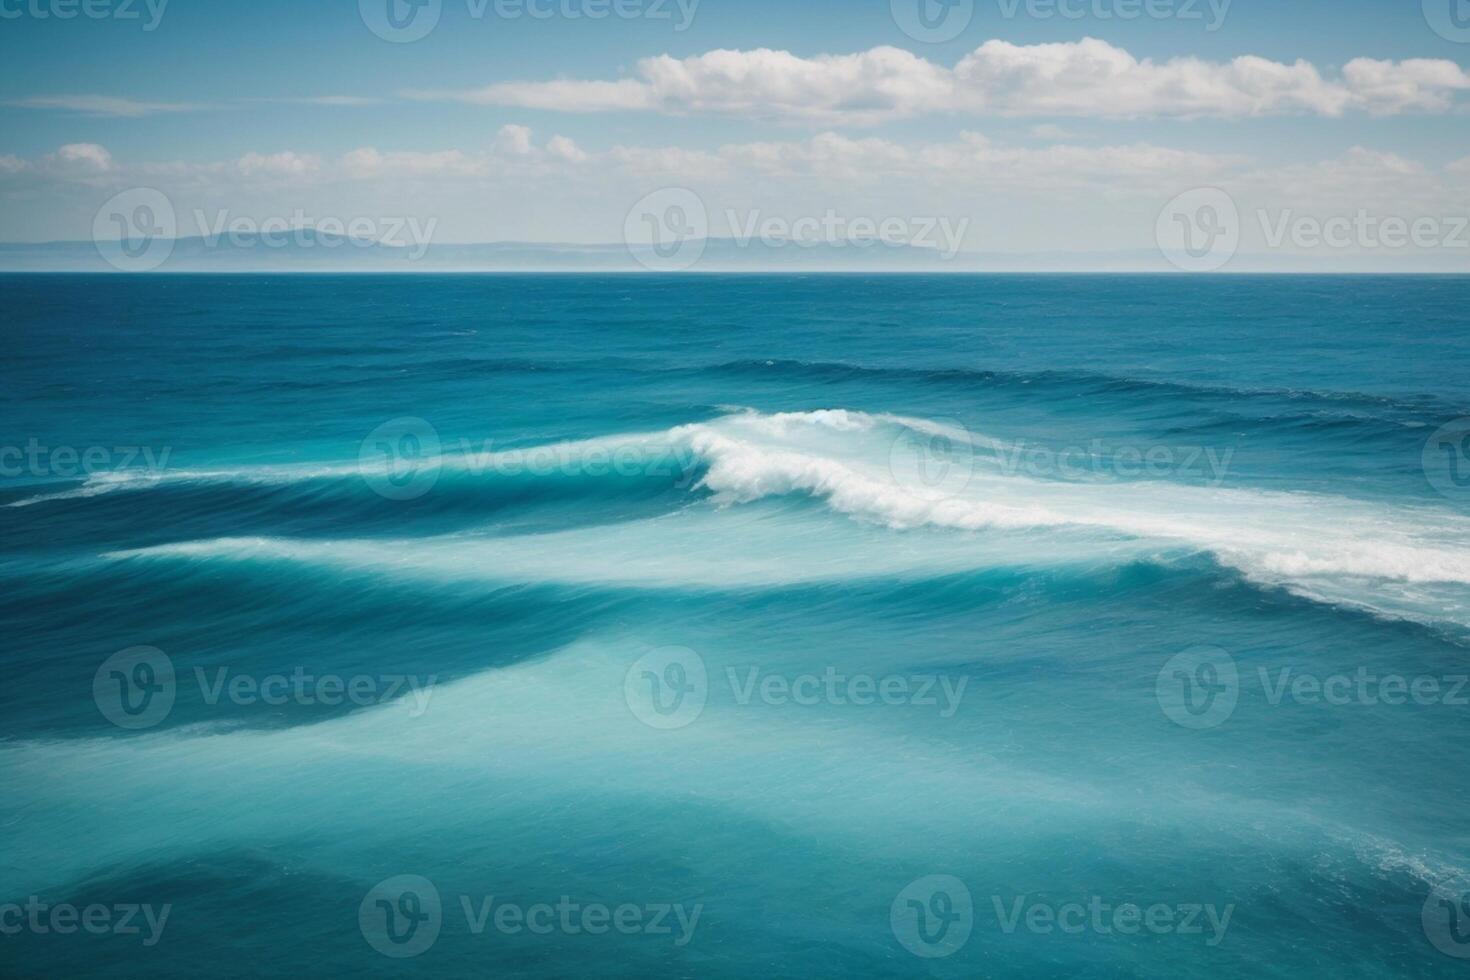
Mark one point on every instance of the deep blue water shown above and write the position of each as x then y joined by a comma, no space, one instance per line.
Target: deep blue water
1164,582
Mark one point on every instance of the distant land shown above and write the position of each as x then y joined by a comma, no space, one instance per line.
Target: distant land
311,251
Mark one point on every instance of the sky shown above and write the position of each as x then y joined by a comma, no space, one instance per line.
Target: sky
995,126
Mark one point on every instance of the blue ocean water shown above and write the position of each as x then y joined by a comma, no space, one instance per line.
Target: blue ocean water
735,626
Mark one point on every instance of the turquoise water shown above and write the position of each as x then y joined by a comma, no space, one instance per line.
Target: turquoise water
823,625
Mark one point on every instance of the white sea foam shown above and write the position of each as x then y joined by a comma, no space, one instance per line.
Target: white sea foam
470,461
1389,558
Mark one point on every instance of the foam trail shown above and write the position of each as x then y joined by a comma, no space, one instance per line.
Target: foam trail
553,457
1399,561
1396,560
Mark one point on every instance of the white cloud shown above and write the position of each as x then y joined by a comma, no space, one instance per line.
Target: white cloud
556,96
83,158
1017,197
325,100
826,159
1419,84
278,164
1090,78
1094,78
514,140
565,149
370,164
104,105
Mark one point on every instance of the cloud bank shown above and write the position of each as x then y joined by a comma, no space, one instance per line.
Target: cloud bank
1087,78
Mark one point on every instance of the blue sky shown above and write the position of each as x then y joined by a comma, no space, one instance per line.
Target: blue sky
209,108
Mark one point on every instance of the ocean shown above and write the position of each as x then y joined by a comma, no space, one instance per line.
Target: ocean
734,626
